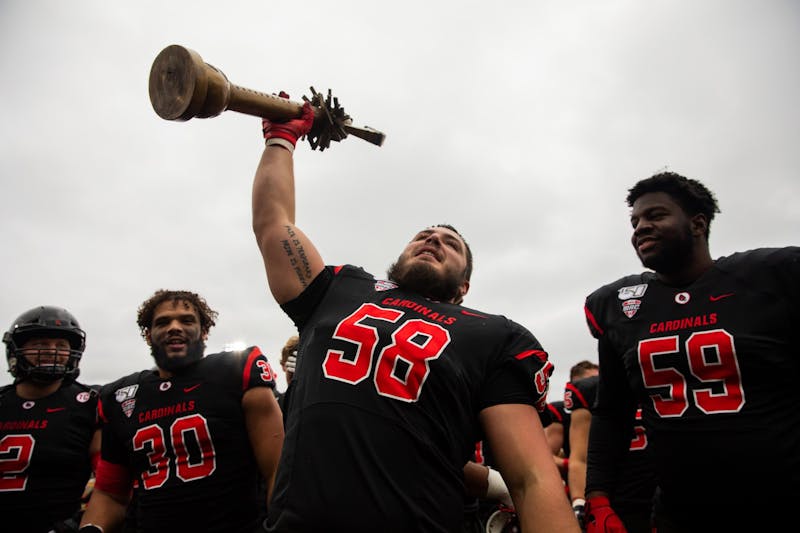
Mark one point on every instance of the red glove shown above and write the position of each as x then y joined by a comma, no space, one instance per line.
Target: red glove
289,130
601,518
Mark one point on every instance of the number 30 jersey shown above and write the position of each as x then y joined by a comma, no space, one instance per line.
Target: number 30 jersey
185,442
715,365
384,401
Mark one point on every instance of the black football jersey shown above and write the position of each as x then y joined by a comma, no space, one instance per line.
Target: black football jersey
715,365
44,456
384,406
559,415
634,482
580,394
185,442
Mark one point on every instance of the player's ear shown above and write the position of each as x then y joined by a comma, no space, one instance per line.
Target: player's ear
147,337
463,290
699,225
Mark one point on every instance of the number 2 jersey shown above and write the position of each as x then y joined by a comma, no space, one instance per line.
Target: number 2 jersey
184,441
715,365
382,414
44,456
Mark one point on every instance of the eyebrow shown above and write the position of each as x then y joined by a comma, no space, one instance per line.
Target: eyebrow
445,235
649,210
180,316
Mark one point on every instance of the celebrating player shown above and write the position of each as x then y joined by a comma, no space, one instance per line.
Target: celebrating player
49,438
193,434
709,348
396,381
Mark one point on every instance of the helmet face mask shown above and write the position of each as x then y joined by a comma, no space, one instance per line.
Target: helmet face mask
41,365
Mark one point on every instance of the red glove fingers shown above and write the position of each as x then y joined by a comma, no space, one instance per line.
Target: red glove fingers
601,518
286,133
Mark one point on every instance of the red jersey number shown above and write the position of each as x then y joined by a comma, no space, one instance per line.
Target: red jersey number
712,361
402,366
152,438
15,457
639,440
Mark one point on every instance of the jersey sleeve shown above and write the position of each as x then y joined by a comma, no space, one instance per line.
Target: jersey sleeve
521,374
256,370
112,449
555,413
612,415
301,308
581,394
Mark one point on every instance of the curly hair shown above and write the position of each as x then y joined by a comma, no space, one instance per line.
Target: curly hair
693,197
289,347
144,317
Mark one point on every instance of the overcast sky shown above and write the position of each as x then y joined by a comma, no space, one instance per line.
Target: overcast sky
522,123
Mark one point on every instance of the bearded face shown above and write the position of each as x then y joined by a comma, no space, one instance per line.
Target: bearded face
424,279
194,352
672,254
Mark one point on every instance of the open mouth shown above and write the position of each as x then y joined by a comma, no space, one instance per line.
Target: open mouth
176,345
645,244
428,253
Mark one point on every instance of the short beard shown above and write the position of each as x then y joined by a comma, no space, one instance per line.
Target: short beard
674,256
194,352
421,278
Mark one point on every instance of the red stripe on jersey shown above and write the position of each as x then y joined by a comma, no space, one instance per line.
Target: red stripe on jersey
580,396
336,269
100,412
556,414
541,355
113,478
590,318
255,352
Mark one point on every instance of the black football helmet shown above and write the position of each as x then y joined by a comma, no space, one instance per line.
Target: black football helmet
48,322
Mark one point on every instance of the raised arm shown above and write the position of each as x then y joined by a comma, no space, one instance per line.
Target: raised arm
290,258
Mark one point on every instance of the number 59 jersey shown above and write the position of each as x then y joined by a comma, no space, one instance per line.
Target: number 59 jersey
185,442
715,365
389,384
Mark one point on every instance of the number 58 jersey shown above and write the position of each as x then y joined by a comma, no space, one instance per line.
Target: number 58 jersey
716,366
384,403
184,441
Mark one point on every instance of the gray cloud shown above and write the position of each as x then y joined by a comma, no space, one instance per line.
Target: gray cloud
522,123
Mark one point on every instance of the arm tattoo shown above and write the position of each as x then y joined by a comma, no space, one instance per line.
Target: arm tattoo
297,256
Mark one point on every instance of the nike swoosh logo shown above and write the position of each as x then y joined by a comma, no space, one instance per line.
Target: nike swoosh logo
471,314
720,297
190,389
55,409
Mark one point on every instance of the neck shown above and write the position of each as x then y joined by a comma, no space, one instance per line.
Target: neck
29,390
699,264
